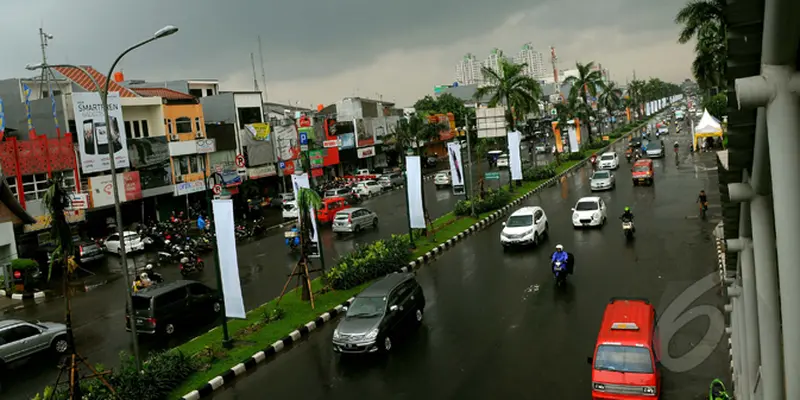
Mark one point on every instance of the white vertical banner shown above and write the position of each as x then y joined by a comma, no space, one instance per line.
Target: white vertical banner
456,167
416,214
514,160
574,147
228,262
300,181
647,108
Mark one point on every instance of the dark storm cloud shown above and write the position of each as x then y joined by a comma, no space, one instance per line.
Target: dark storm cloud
302,38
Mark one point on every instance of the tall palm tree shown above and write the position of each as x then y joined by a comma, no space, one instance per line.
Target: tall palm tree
698,13
307,199
610,98
509,86
705,20
583,86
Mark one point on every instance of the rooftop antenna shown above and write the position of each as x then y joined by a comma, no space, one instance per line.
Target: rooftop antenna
253,65
263,73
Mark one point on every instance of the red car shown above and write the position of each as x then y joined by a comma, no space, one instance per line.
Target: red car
330,206
625,362
643,172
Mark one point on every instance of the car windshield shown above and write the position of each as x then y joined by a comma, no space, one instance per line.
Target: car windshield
330,193
441,175
641,168
516,221
607,157
131,236
373,183
140,303
341,216
366,307
586,206
600,175
288,207
623,359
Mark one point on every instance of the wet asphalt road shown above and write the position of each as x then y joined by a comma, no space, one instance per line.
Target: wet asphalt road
495,327
99,318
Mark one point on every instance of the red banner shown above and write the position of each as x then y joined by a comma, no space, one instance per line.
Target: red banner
332,153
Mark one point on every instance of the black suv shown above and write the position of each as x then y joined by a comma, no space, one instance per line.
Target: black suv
377,314
163,307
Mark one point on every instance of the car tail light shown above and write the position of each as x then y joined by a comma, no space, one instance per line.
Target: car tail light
151,321
350,218
80,249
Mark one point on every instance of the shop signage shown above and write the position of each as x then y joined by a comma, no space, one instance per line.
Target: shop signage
205,146
43,221
185,188
366,152
260,131
331,143
78,201
129,188
96,141
317,158
262,171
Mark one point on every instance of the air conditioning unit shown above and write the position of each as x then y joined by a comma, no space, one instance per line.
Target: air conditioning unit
199,135
173,137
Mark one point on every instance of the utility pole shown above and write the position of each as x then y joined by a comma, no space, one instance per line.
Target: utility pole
253,66
469,168
263,73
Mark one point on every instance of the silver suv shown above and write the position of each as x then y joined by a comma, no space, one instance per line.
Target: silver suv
20,339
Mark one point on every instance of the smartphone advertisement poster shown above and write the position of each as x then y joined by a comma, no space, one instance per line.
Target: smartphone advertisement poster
96,141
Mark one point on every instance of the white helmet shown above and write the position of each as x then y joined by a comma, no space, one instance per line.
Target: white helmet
148,267
559,247
143,275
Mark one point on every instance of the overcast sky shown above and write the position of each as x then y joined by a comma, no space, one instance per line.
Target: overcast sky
319,51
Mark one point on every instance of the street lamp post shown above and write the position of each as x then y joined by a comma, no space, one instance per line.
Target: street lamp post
163,32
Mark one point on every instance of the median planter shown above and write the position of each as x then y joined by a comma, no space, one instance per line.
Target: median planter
370,262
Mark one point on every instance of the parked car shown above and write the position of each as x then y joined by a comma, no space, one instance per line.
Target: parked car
330,206
345,192
354,220
391,180
368,188
528,225
165,307
20,339
502,161
88,251
442,179
290,210
281,199
589,211
602,180
378,314
132,243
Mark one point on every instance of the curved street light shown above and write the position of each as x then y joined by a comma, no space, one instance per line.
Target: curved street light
161,33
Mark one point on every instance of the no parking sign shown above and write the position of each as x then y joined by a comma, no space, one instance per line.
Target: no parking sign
217,189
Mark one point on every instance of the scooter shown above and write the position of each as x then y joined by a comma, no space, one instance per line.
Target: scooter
190,263
560,272
717,391
292,239
627,229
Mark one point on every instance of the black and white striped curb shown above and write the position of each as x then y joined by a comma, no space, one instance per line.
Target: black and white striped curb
295,336
22,296
252,362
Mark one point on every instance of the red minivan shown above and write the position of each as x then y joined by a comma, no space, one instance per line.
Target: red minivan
642,172
330,206
625,362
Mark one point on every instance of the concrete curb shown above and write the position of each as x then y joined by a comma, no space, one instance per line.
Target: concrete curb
295,336
23,296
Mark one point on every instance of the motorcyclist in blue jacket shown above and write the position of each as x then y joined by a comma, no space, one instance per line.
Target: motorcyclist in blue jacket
296,239
559,254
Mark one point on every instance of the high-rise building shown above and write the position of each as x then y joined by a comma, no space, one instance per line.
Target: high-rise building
534,62
493,61
468,71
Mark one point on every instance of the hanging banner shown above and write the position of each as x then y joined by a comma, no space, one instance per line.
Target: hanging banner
96,140
301,182
416,213
260,131
228,258
456,170
514,159
366,152
2,120
573,140
557,137
26,90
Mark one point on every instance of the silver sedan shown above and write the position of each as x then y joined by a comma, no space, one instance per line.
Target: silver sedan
602,180
354,220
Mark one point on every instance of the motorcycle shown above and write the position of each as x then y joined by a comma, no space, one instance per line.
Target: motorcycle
292,239
190,263
170,254
241,231
717,391
627,229
560,272
703,210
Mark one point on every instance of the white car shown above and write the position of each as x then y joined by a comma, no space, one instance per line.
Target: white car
442,179
528,225
589,211
368,188
290,210
502,161
608,160
602,180
132,243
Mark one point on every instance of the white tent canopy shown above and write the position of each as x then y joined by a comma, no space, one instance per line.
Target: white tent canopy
708,125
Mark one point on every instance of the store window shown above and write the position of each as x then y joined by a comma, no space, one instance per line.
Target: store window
12,185
183,165
34,186
128,130
197,127
137,133
183,125
145,129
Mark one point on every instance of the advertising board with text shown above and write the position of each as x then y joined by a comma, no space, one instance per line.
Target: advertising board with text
101,189
96,141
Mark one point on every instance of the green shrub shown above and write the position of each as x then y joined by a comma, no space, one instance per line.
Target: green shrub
162,373
24,263
493,200
577,156
369,262
538,173
597,144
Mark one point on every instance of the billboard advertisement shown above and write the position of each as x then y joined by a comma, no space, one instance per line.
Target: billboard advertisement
365,136
102,193
331,156
491,122
96,141
348,141
287,145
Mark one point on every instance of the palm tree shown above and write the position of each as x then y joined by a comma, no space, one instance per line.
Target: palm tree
698,13
584,85
509,86
610,98
636,93
705,20
307,200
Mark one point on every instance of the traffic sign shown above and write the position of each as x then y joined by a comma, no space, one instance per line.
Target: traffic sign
217,189
282,165
240,161
303,139
492,176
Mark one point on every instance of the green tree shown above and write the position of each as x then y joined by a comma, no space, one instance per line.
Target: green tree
307,199
610,98
717,105
584,85
512,88
705,21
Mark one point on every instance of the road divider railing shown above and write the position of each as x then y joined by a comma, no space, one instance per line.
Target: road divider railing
263,334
